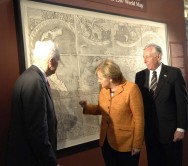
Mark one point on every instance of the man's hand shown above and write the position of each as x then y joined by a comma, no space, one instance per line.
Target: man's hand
178,135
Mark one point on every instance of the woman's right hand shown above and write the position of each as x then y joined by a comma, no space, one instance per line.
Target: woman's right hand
83,104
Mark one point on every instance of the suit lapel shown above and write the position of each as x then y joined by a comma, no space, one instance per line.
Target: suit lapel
43,79
162,79
120,89
146,78
47,88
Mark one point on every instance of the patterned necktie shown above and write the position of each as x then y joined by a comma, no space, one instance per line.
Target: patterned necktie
153,84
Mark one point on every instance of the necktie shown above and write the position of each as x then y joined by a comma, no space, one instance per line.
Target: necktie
48,83
153,84
48,86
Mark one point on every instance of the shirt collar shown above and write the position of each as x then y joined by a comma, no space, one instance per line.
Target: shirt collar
158,70
42,71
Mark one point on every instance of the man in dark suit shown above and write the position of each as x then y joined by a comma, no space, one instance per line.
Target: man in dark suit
165,108
32,140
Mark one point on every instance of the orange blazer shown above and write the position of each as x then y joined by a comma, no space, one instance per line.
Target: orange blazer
122,117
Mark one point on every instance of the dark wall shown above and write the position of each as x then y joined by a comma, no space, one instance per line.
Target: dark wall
168,11
9,69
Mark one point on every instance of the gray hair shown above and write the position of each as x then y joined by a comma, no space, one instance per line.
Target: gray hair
157,48
44,50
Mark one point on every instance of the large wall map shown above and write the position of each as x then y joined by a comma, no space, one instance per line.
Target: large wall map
84,39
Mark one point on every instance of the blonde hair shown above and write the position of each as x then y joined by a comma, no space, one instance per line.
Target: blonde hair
111,70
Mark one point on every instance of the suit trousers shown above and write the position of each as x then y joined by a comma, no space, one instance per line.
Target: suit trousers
159,154
115,158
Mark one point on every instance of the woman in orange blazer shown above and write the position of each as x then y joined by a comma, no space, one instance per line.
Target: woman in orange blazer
121,106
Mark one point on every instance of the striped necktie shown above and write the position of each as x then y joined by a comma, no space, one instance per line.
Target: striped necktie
153,84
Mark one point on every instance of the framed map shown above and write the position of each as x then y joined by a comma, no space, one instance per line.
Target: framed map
85,38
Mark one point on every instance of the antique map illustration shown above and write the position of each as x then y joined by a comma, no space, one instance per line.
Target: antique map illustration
84,39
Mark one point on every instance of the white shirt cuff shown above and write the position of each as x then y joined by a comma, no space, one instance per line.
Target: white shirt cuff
181,130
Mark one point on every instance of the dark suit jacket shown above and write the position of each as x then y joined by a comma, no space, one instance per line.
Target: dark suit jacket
32,140
167,110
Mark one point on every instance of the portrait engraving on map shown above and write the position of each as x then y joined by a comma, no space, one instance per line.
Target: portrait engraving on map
84,39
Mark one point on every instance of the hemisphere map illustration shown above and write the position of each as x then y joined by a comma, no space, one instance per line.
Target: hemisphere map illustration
84,39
